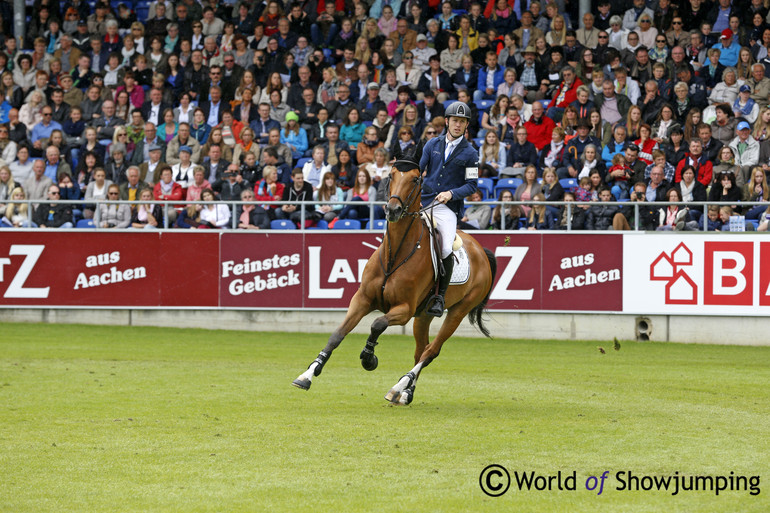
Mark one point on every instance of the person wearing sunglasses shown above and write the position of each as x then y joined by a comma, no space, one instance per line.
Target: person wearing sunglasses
647,32
678,36
53,215
633,16
43,129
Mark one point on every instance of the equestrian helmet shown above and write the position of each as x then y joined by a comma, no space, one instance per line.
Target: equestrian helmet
458,110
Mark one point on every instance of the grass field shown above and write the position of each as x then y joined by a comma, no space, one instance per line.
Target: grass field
144,419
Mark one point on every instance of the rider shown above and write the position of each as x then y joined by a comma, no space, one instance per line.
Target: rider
451,171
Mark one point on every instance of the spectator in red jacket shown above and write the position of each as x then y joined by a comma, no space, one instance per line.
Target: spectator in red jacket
539,126
565,94
700,163
168,190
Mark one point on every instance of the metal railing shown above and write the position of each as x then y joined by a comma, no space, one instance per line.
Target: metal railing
570,205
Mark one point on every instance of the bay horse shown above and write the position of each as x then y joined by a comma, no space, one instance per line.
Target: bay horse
398,279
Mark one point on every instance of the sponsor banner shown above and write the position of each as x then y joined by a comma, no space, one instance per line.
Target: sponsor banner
583,272
67,268
696,274
334,264
261,270
538,271
74,269
685,274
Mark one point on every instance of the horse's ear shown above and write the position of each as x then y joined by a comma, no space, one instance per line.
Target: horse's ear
418,151
398,154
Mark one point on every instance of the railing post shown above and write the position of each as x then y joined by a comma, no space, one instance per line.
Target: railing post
636,216
98,214
569,216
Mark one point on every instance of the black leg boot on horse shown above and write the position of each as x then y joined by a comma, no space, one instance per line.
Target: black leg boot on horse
436,302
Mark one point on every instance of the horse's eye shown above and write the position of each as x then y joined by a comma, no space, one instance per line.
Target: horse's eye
416,179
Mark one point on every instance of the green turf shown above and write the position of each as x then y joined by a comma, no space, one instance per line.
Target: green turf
144,419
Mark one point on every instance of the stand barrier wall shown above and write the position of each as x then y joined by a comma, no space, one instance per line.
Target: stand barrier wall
622,273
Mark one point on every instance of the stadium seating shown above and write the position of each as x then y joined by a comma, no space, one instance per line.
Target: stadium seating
568,183
347,224
301,162
320,225
379,224
282,224
85,223
510,184
484,105
487,188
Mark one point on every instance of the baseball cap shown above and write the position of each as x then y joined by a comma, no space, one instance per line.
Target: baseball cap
185,148
743,125
726,34
373,85
292,116
421,37
745,89
156,147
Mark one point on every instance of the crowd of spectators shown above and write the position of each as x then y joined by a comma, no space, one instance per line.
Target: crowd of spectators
307,101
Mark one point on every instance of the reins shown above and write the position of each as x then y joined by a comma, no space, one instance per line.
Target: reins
392,267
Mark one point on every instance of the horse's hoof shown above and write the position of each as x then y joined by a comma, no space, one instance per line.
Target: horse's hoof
400,398
369,362
302,383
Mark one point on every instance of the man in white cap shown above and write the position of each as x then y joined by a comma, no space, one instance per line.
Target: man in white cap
371,103
422,53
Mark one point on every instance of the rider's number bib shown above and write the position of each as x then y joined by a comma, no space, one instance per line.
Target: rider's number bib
471,173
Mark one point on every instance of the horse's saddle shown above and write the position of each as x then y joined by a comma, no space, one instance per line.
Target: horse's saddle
462,268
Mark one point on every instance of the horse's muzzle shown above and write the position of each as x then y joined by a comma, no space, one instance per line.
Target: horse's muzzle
393,211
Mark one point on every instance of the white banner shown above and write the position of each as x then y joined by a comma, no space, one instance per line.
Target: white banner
720,274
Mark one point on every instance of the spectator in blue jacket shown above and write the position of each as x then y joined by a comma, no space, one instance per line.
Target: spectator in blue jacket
490,77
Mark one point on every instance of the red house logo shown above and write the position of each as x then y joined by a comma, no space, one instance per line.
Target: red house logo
680,288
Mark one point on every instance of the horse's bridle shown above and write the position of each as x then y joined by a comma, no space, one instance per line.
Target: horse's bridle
417,186
391,266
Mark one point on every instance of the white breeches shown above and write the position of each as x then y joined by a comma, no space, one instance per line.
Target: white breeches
446,222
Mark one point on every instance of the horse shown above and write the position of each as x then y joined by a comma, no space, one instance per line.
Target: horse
398,279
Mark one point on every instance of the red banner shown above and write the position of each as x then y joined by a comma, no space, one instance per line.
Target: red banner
65,268
535,271
261,270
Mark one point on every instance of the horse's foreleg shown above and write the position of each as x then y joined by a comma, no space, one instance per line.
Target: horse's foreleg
368,358
359,307
396,315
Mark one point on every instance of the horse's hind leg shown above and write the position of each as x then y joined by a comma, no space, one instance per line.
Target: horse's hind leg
403,391
359,307
395,315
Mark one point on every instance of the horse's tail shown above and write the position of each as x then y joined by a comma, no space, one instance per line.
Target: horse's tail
475,315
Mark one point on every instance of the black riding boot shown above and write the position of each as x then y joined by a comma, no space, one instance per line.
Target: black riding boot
436,302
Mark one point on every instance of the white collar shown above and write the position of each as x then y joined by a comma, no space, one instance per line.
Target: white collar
451,143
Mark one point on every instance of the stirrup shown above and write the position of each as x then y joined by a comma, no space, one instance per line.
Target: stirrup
436,308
